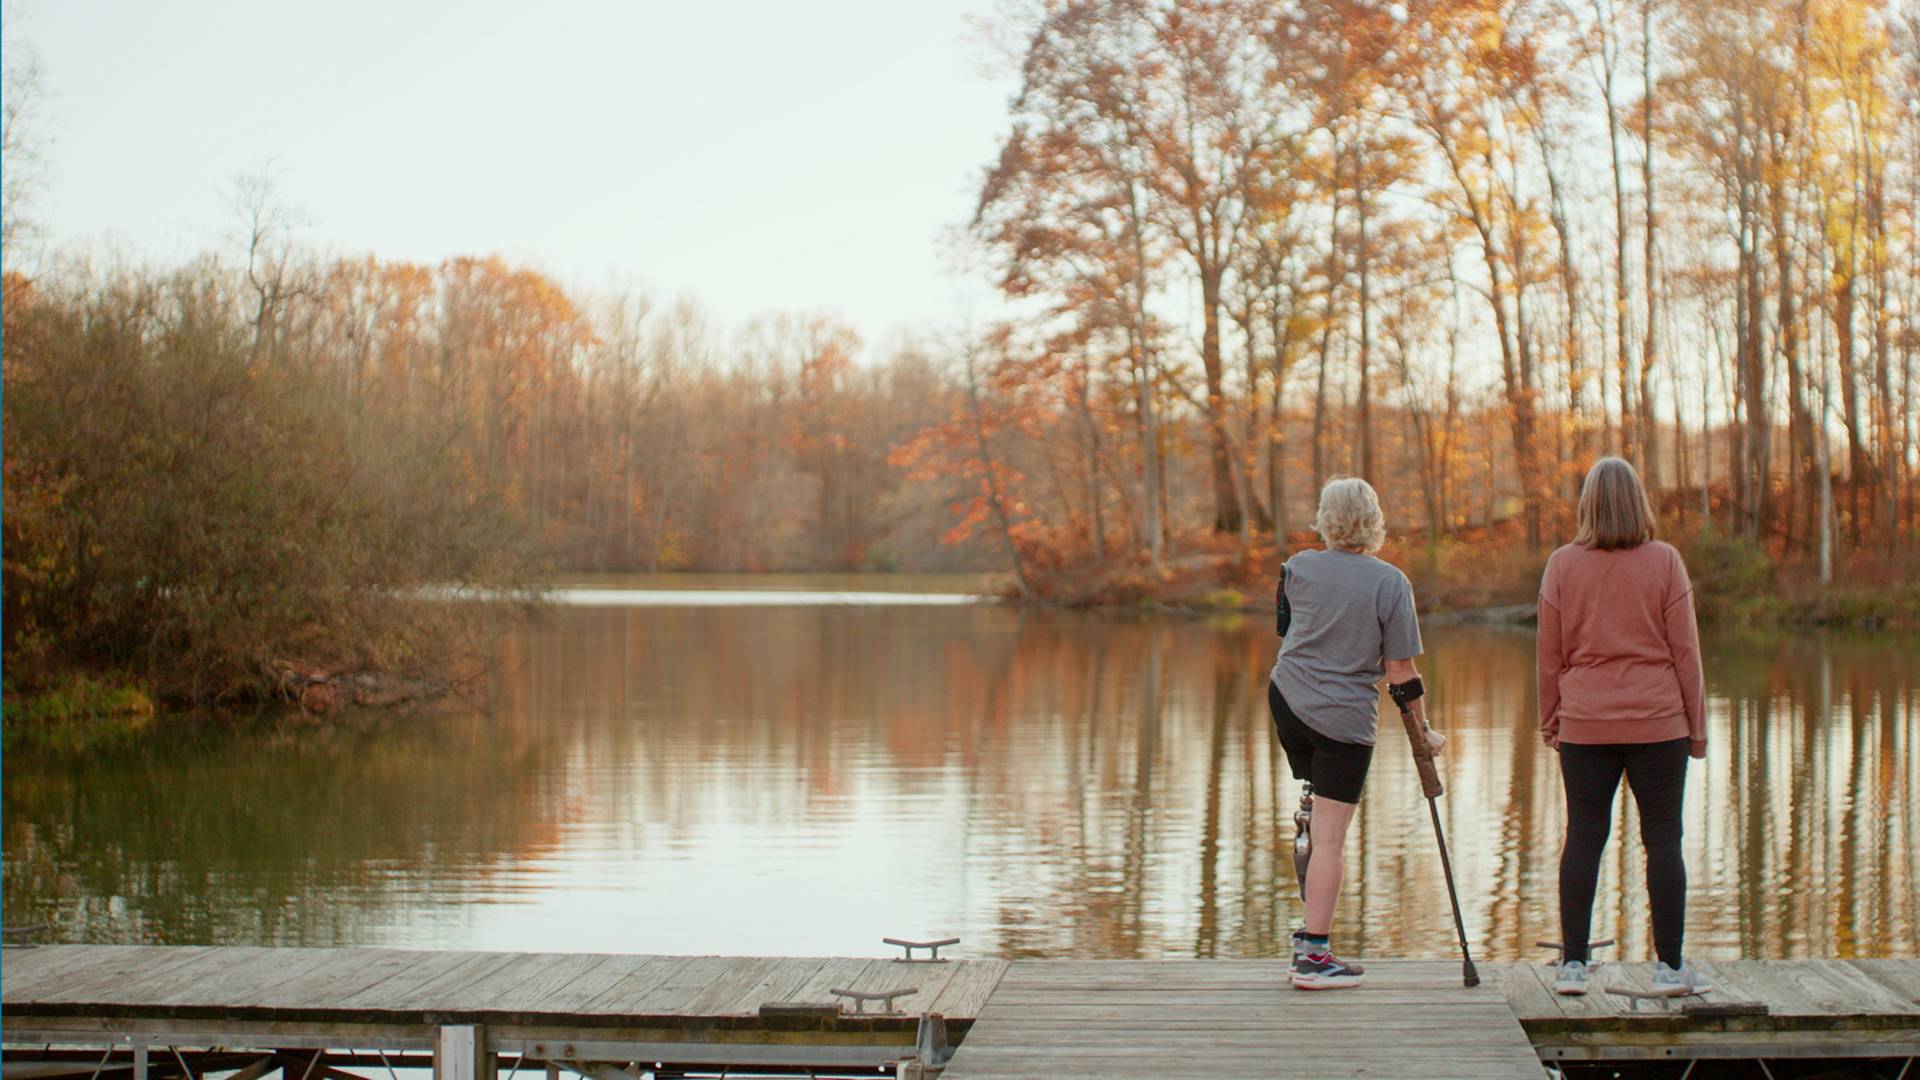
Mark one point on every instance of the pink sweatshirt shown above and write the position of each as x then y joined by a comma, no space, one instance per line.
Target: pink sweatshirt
1619,652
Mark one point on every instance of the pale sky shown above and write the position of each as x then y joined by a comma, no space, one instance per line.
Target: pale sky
753,154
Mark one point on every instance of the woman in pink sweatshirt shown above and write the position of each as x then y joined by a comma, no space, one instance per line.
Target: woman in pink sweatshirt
1620,692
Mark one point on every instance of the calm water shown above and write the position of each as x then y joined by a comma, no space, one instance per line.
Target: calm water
806,779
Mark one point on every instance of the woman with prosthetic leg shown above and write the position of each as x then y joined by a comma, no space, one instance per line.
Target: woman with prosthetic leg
1347,621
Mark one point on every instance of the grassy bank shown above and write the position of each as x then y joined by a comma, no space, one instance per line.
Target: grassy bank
74,713
1495,573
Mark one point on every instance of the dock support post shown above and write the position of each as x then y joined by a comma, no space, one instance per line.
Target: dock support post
930,1040
139,1061
460,1053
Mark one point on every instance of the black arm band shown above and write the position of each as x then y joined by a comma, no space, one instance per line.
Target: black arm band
1283,611
1406,693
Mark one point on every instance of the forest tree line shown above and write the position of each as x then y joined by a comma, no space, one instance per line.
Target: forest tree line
237,470
1457,247
1454,247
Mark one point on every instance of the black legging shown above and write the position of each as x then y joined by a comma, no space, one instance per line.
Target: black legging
1657,775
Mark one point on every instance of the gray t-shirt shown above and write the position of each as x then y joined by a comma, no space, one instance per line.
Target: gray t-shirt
1350,614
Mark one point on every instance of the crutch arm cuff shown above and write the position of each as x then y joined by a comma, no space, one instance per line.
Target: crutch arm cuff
1406,693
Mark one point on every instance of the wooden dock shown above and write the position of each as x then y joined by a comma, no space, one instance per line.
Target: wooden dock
1759,1009
178,1013
1239,1018
576,1008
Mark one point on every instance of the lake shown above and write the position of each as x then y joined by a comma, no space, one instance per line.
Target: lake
807,778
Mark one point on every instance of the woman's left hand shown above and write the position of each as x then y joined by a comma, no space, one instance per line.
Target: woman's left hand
1437,741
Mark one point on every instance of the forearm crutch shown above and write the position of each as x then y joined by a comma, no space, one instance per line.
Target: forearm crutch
1404,695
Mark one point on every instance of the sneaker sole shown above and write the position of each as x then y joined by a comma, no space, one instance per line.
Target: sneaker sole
1342,982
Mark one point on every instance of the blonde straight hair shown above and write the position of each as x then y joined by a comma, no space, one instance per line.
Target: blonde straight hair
1614,511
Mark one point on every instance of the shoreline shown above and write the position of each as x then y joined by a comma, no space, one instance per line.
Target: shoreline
82,708
1768,612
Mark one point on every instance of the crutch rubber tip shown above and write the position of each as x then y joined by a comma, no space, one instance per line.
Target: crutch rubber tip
1468,975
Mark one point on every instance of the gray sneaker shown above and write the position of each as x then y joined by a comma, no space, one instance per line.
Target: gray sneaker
1325,971
1571,979
1685,980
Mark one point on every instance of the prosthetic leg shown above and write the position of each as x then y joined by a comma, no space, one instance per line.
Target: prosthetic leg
1303,838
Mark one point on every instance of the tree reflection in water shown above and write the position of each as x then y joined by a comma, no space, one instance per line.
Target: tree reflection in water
806,779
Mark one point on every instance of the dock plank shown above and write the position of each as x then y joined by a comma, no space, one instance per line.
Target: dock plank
1901,978
1238,1019
926,980
459,990
619,998
483,987
387,993
235,976
28,972
1528,989
375,966
838,971
669,996
535,984
777,985
116,980
966,993
583,988
738,981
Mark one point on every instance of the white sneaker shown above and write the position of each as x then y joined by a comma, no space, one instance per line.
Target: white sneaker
1571,979
1686,979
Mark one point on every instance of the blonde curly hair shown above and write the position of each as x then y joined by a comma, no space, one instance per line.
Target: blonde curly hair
1350,517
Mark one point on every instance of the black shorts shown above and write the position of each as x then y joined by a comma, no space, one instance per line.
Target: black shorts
1335,769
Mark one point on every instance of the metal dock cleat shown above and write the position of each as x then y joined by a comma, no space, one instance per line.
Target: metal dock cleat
884,997
1659,1000
933,950
1560,950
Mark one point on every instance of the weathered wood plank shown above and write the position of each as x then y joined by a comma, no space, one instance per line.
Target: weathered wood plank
32,971
376,966
1901,978
1226,1019
670,996
239,977
534,985
387,993
1529,991
737,979
926,980
840,971
780,983
573,998
455,990
1841,989
479,988
620,998
114,981
1175,997
1297,1057
967,992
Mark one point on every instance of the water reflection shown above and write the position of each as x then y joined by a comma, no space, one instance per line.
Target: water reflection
806,779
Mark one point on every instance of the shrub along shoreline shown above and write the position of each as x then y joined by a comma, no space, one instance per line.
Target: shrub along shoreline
197,515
